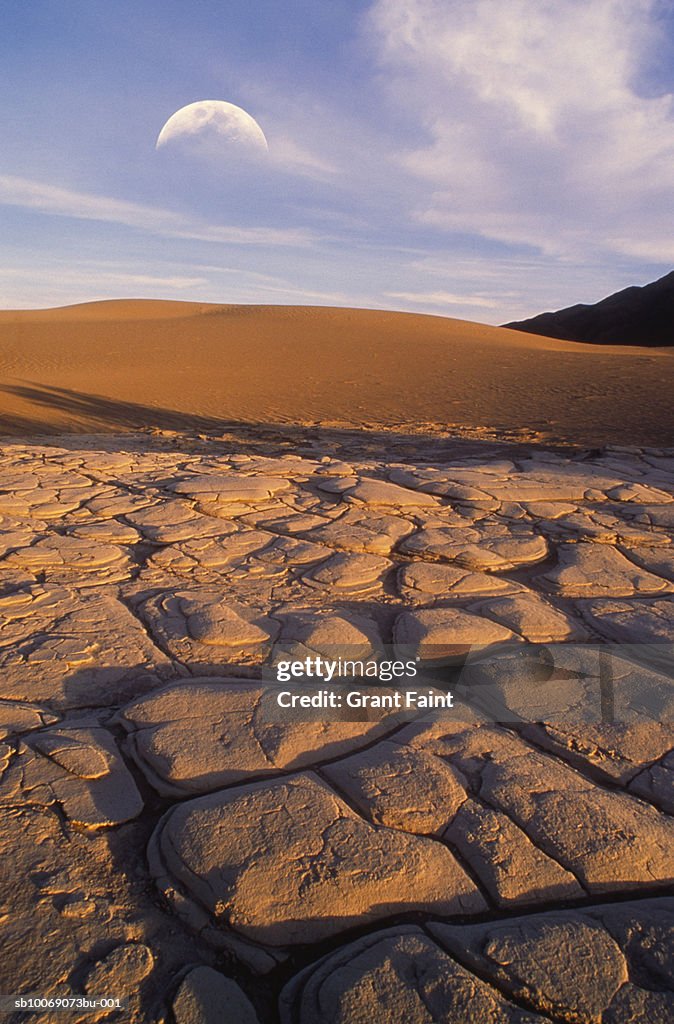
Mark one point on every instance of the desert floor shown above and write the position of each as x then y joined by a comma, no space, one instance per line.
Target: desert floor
170,838
115,365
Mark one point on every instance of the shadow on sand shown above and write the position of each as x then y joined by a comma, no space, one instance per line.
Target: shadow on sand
72,414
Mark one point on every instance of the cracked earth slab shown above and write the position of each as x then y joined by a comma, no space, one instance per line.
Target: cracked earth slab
289,862
200,736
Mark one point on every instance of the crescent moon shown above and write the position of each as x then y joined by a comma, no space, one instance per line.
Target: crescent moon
215,122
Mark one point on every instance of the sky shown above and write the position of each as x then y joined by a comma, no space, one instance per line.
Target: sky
467,158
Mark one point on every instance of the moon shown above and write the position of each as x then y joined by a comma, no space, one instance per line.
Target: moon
214,125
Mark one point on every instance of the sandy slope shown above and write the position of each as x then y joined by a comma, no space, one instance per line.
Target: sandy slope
115,364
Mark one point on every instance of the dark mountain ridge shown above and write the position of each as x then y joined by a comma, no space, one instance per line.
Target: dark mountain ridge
633,316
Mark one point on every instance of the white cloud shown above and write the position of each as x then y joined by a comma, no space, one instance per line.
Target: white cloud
51,282
288,155
103,278
444,299
536,133
520,287
51,199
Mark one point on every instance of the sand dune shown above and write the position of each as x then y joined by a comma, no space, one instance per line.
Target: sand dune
125,364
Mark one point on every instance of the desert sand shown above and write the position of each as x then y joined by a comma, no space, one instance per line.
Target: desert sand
168,835
123,364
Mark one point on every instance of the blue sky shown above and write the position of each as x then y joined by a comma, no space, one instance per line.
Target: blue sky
467,158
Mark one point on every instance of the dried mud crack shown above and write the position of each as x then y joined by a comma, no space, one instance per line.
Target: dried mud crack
166,839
